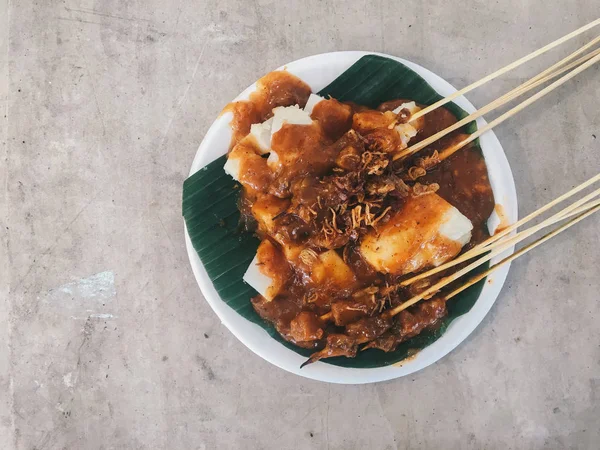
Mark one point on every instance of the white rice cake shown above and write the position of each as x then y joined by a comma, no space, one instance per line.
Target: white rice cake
261,132
292,115
412,109
426,232
268,271
312,102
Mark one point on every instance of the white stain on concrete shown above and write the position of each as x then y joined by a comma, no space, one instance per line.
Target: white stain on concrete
100,286
68,379
101,316
94,316
84,298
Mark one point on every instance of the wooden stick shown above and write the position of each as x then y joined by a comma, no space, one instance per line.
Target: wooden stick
525,249
579,210
509,96
538,212
505,69
573,55
460,273
326,317
505,243
454,148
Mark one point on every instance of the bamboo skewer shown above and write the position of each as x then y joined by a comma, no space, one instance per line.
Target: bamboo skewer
565,60
539,211
570,211
475,279
326,317
454,148
460,273
579,210
509,96
508,242
505,69
500,248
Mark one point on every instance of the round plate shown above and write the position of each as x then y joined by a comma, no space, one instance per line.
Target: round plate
318,71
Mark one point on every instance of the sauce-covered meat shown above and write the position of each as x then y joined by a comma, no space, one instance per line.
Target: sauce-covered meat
409,323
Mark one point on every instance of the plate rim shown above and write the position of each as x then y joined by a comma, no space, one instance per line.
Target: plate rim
461,327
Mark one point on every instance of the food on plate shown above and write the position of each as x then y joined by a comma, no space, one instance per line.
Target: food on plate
341,223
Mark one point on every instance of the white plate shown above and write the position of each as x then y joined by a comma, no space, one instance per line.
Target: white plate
318,71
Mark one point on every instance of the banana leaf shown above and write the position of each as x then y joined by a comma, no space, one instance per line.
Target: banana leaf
211,214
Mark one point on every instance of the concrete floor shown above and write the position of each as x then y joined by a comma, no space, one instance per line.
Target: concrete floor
106,341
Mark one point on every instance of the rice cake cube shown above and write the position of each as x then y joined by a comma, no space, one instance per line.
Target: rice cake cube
269,271
425,232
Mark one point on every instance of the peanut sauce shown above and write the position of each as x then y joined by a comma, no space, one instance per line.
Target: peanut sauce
278,88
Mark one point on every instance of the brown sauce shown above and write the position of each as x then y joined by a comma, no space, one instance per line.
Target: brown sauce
334,117
435,121
301,150
464,183
254,172
279,88
329,187
502,217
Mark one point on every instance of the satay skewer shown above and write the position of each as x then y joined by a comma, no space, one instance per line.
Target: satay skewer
582,205
449,151
444,298
560,63
507,68
490,243
534,82
444,282
527,248
582,212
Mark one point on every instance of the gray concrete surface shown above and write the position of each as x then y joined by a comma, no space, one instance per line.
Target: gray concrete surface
105,339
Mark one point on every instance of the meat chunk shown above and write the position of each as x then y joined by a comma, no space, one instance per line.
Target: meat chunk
369,328
409,323
383,140
369,120
306,326
348,311
337,345
279,311
349,158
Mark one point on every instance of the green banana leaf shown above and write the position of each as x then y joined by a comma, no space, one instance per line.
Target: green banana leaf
211,214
